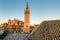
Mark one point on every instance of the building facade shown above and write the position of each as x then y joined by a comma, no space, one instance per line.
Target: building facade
15,25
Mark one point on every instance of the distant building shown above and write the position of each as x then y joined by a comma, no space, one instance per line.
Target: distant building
27,19
36,25
15,25
13,22
4,25
32,27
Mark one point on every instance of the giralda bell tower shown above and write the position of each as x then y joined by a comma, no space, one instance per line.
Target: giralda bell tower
26,19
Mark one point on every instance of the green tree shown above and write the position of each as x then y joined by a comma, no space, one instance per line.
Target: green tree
2,36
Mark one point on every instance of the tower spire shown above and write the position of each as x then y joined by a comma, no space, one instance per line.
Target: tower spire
26,19
27,6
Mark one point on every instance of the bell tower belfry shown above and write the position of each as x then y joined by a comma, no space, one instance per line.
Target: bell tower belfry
26,19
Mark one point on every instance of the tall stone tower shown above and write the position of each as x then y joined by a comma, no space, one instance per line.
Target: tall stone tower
27,19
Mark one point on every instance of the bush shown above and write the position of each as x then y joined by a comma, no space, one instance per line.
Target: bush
3,35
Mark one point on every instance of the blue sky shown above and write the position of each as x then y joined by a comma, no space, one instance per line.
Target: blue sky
39,10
